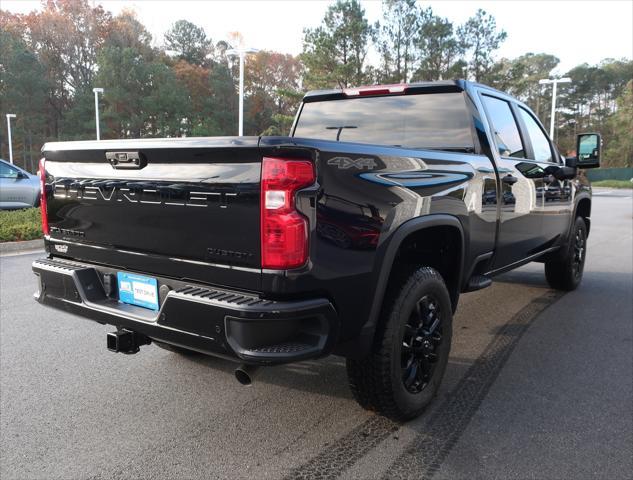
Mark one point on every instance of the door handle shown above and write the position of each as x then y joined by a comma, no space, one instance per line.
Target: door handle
510,180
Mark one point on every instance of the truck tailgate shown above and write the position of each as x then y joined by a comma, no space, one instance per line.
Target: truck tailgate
159,206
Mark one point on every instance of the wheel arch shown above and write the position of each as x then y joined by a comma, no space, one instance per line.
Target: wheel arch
583,209
386,260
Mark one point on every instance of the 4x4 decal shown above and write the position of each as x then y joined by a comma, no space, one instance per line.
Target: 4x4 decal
345,163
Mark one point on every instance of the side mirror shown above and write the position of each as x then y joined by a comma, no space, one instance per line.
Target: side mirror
588,148
22,176
565,173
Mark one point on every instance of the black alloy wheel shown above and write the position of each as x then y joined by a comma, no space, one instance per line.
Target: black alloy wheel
565,270
579,247
420,343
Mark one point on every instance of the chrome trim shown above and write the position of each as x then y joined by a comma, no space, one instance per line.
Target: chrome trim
248,302
175,259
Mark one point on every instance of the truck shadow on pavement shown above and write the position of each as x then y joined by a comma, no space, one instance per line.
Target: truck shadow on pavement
606,281
325,376
328,376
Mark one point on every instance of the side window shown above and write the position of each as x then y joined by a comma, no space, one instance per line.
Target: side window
540,144
505,127
7,172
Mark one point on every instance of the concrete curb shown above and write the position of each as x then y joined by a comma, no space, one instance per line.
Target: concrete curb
11,247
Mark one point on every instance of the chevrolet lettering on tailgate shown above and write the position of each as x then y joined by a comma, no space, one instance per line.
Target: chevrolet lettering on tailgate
157,195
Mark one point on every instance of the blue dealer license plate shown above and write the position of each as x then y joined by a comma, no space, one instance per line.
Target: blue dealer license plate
138,290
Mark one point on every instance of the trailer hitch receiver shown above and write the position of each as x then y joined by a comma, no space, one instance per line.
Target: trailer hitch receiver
126,341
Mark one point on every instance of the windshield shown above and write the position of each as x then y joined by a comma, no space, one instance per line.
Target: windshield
438,121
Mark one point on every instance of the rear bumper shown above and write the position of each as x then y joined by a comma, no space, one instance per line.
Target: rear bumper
233,325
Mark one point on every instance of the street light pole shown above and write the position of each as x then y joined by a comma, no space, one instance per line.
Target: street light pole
554,82
9,117
241,53
241,101
97,91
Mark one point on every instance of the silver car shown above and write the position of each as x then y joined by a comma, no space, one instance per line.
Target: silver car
18,188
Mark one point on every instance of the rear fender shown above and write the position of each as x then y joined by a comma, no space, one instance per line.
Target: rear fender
386,254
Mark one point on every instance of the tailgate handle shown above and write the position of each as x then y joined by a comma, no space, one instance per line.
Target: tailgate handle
126,160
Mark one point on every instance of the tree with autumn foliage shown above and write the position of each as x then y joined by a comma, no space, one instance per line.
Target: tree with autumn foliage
273,88
66,36
52,58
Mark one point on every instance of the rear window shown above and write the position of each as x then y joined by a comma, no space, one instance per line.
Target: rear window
438,121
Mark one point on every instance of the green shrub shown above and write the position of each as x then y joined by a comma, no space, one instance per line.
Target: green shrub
613,183
17,225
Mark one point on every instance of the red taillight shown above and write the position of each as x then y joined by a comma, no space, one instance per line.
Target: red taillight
284,230
43,209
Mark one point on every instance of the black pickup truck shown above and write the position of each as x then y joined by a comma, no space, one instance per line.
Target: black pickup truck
353,236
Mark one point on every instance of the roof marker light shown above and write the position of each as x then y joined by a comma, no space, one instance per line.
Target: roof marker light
376,90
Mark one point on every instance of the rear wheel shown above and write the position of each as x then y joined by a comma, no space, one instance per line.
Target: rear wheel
404,371
565,273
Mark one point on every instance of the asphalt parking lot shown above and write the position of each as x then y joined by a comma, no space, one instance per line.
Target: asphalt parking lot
539,385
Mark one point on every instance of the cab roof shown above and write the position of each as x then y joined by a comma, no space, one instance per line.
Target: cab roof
393,89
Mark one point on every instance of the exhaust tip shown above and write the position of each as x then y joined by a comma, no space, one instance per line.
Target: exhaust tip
243,377
245,373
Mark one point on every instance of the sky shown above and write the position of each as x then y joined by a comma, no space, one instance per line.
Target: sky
575,31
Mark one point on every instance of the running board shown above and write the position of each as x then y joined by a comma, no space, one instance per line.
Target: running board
478,282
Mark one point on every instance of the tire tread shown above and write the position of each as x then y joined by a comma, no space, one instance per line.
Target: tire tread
370,378
558,272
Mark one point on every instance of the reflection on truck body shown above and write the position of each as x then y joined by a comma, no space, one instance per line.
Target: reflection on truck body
348,224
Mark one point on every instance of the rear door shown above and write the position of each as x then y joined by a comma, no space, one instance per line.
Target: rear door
521,199
556,194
